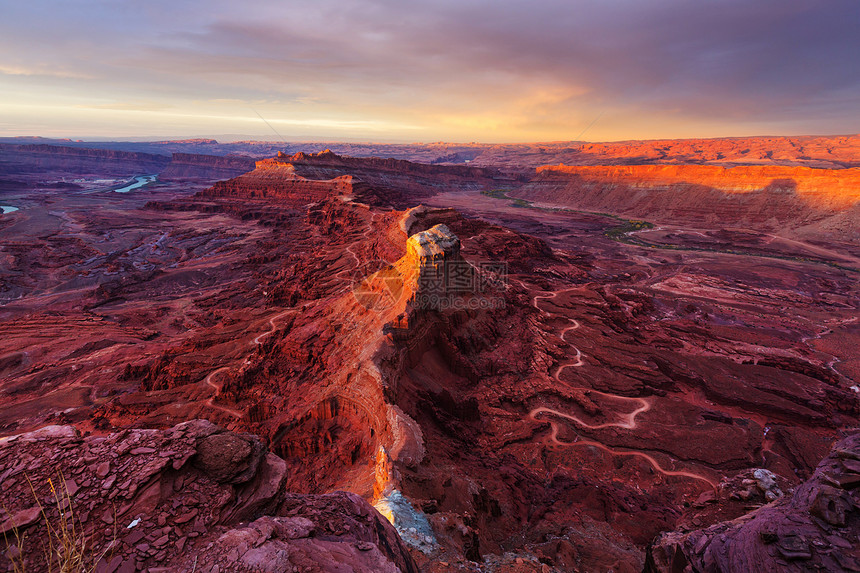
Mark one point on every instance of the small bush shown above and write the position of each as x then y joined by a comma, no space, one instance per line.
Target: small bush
66,547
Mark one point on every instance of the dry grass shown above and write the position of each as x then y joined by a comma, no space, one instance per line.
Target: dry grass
67,547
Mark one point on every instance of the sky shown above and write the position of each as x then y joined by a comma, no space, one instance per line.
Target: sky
429,70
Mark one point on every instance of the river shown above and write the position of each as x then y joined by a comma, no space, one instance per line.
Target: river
139,182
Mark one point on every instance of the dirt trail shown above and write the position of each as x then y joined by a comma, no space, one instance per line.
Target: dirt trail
580,442
628,421
217,387
272,327
368,229
826,253
259,338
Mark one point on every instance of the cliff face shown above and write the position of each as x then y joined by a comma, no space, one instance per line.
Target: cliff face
196,166
813,151
273,180
830,152
307,178
758,196
328,162
434,263
31,162
29,159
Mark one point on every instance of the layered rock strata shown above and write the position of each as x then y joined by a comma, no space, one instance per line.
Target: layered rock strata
191,498
306,178
815,529
756,196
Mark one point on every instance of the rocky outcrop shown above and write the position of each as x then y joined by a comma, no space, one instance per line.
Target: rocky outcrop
191,498
307,178
433,247
434,266
279,181
431,275
816,528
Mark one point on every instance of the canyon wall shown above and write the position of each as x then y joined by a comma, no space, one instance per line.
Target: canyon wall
825,151
832,152
812,151
758,196
37,163
305,178
196,166
30,159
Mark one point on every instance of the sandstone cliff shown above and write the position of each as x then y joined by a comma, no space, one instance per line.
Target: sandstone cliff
307,178
39,158
757,196
830,152
196,166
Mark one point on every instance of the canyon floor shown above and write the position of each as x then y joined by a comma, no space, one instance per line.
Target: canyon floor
602,379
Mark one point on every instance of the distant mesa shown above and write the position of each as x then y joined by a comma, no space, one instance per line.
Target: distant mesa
305,178
757,196
30,163
196,166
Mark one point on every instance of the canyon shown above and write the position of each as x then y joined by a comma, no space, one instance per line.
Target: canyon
632,356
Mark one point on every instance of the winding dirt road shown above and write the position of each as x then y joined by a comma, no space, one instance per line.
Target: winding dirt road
259,339
217,388
209,380
580,442
627,422
349,250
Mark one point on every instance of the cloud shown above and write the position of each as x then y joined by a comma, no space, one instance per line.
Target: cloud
131,106
495,70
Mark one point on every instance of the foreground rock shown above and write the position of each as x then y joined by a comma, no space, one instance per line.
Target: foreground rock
816,529
191,498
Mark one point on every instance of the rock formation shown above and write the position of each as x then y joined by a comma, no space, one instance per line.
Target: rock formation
758,197
814,529
21,160
184,166
572,394
312,177
57,165
829,152
190,498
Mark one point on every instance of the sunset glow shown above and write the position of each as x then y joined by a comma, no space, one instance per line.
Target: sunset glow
436,70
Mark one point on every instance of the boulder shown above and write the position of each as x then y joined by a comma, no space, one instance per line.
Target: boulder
816,528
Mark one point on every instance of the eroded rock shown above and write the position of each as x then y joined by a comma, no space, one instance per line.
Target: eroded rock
148,506
816,528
